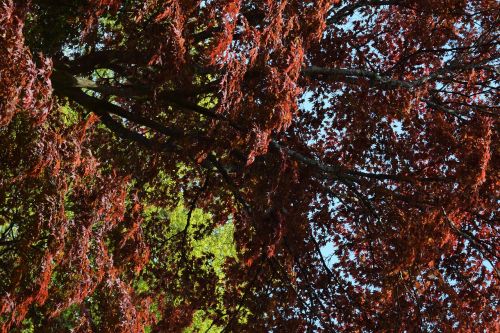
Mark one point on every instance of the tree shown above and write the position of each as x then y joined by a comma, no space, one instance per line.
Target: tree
352,146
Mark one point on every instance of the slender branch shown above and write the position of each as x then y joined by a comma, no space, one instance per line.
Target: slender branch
360,73
346,174
303,272
350,9
474,242
192,206
69,88
443,108
232,186
103,59
352,73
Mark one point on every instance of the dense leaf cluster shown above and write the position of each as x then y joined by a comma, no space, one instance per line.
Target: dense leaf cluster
233,165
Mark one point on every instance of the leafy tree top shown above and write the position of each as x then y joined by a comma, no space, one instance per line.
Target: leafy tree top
351,148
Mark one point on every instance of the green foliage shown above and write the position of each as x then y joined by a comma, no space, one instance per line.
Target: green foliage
216,248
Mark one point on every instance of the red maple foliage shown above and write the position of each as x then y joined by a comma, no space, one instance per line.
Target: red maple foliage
354,145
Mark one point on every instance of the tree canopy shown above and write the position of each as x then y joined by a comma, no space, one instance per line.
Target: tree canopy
249,166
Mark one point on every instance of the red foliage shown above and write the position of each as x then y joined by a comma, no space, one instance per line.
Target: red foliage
363,131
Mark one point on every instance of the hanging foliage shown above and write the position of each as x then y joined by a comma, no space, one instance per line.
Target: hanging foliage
249,166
